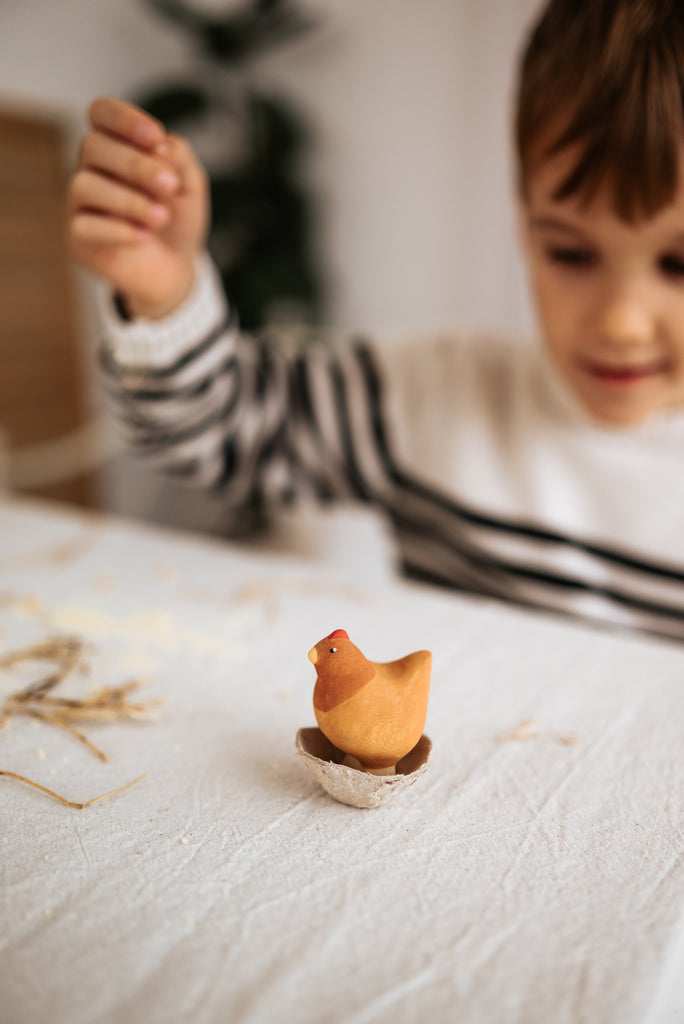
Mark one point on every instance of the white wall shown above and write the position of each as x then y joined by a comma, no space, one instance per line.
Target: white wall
410,102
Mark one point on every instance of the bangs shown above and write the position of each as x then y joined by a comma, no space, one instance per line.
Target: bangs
617,95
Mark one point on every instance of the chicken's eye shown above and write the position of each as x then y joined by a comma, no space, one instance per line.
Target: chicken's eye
333,650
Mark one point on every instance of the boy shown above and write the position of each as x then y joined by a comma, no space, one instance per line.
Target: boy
550,476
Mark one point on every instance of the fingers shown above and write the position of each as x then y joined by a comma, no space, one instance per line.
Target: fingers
91,192
129,165
115,117
90,230
134,181
181,156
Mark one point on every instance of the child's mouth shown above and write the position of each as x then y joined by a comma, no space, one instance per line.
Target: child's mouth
622,375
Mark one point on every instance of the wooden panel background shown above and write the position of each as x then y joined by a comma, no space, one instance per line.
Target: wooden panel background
41,392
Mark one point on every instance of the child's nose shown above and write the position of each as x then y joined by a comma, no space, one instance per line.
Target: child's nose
627,319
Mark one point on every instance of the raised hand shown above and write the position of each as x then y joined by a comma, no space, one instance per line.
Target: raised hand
138,208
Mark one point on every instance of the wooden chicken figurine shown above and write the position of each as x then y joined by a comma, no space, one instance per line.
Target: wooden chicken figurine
373,712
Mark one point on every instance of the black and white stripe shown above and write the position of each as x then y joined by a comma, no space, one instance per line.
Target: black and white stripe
236,414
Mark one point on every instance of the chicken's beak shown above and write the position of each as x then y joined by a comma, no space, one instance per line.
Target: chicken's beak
313,655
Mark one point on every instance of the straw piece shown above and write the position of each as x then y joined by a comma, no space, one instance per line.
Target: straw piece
62,800
63,724
62,649
107,704
526,730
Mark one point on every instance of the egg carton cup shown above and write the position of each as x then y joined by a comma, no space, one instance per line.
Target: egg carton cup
354,786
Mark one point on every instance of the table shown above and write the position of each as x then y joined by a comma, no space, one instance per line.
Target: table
534,874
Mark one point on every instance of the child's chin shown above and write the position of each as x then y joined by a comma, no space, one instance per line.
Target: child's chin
620,408
620,417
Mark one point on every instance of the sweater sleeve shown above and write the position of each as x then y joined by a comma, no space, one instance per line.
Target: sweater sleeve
214,408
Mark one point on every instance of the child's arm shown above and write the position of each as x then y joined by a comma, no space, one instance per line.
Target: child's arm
195,398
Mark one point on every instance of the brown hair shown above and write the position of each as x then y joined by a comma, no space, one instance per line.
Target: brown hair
607,75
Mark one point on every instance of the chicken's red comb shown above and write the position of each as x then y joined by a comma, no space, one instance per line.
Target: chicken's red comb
337,634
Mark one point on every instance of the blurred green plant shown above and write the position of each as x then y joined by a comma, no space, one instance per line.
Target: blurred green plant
262,230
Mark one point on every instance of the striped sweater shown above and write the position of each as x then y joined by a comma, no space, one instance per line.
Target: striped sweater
490,474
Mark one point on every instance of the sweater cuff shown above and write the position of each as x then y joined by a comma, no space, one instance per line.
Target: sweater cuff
158,343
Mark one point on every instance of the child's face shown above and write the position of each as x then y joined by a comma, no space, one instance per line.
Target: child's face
610,297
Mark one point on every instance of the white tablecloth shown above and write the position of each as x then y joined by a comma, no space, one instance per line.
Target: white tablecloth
520,880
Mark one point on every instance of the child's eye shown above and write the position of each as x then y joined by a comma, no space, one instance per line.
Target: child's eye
672,265
571,257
